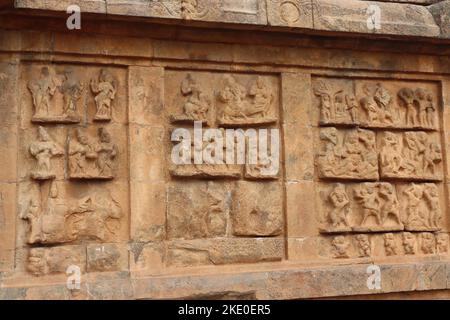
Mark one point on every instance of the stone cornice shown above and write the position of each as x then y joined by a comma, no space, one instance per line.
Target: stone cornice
399,18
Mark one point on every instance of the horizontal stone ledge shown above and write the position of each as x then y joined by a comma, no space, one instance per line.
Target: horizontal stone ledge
286,282
405,18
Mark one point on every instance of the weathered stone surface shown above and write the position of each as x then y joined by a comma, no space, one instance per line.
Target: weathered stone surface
90,141
441,14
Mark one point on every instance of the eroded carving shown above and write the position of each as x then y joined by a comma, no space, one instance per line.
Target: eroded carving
364,245
55,260
58,220
105,89
409,243
340,209
414,155
92,159
242,106
390,245
43,150
442,243
340,246
427,243
348,155
197,105
421,204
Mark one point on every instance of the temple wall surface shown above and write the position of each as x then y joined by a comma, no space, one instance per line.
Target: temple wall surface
87,176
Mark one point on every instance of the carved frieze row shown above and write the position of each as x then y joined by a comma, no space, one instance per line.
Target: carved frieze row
362,154
388,245
374,104
380,206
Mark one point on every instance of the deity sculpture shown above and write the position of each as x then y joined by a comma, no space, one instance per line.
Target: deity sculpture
43,150
105,89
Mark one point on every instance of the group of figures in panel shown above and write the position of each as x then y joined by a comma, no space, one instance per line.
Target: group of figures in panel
354,154
52,217
49,84
378,107
87,159
382,206
238,104
389,244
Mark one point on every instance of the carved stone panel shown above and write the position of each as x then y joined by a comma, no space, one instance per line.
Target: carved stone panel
376,104
221,99
347,154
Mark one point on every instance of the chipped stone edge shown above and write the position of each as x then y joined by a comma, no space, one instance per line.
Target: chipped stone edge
285,283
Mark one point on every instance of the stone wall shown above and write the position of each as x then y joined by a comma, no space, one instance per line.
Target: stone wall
88,179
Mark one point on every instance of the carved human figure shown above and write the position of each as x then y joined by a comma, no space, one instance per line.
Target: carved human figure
431,196
33,213
71,89
382,98
427,243
409,243
415,146
391,206
42,91
407,96
432,157
233,96
352,107
332,108
413,196
340,207
105,90
340,247
43,150
421,103
198,104
391,154
370,106
430,110
390,246
442,242
262,98
107,151
368,197
81,154
364,246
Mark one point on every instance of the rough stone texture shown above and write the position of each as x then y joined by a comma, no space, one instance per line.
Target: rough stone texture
90,130
400,17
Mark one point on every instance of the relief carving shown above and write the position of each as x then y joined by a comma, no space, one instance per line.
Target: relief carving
43,150
58,220
43,91
197,105
336,106
199,210
348,155
373,104
422,208
340,210
364,245
414,155
378,202
427,243
442,243
242,106
390,245
92,159
409,243
105,89
340,246
190,9
55,260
